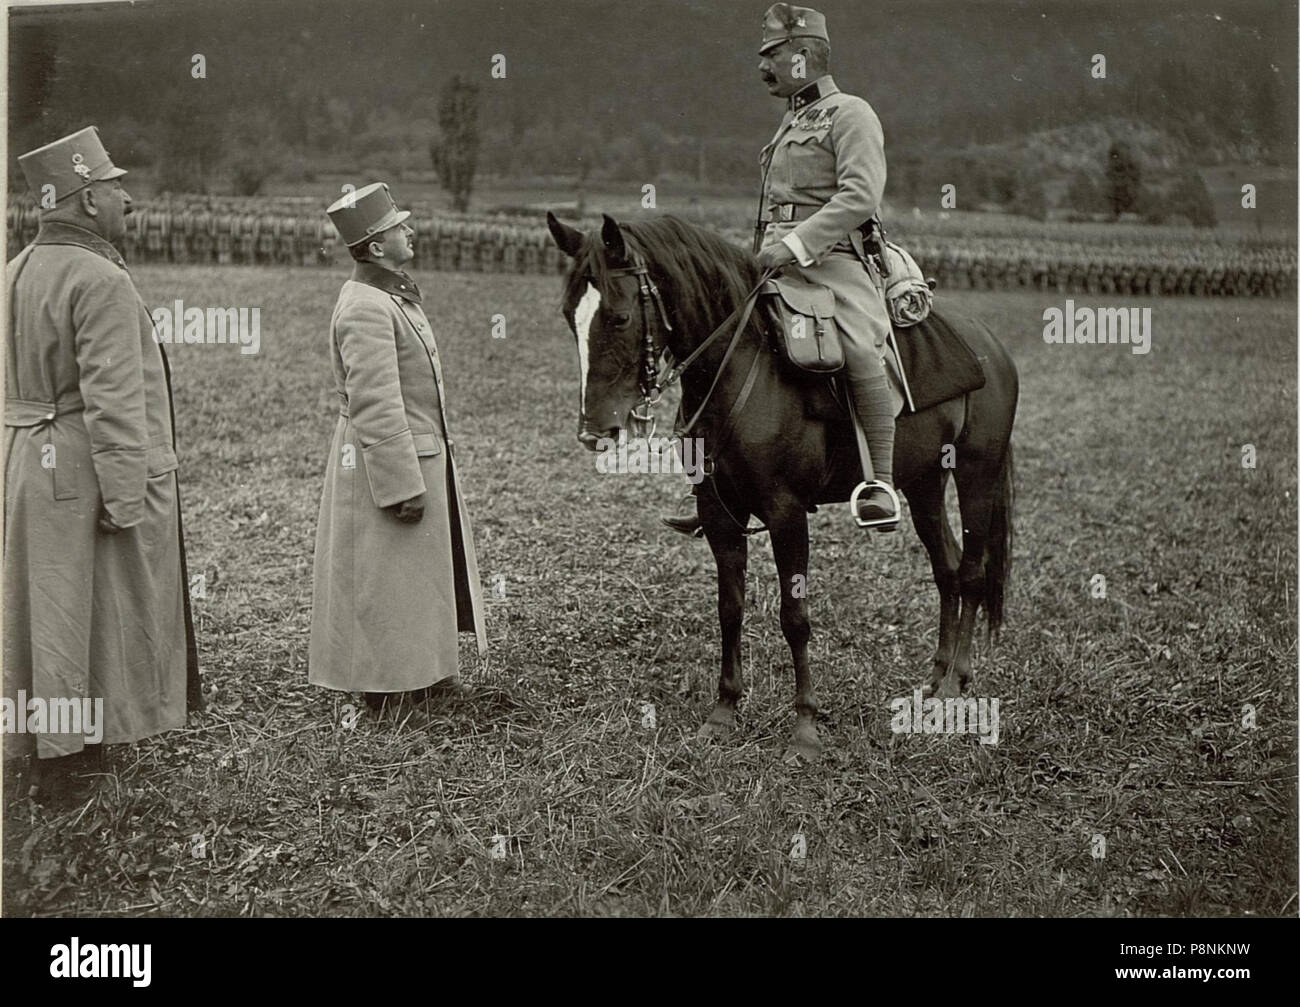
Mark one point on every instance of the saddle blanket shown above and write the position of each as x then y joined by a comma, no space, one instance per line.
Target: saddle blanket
937,364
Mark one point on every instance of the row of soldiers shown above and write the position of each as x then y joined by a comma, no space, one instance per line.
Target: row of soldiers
1083,274
199,234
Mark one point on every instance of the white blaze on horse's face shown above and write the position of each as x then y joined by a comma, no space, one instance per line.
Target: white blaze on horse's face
583,315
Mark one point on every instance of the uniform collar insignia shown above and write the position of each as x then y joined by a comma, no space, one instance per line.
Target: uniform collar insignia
820,88
59,232
397,284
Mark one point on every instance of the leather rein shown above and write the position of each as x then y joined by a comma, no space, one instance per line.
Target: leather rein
652,381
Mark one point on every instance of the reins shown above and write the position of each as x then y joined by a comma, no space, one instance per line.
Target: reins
653,383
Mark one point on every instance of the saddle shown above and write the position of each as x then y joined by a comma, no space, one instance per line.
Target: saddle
928,362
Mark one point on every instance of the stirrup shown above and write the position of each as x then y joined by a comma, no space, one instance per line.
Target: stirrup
882,524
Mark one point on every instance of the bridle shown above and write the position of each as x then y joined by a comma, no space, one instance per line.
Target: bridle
652,381
649,380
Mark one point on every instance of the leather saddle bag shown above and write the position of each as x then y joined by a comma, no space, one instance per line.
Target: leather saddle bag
804,317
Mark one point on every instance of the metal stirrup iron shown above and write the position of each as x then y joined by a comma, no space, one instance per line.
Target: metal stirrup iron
888,523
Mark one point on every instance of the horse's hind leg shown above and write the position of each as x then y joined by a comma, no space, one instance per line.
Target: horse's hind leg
978,482
929,517
789,530
731,554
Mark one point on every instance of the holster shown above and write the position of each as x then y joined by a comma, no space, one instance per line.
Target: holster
868,242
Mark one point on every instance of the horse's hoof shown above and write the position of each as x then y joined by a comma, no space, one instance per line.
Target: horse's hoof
949,688
805,746
798,753
716,728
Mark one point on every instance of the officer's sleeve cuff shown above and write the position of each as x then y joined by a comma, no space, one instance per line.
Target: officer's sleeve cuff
792,242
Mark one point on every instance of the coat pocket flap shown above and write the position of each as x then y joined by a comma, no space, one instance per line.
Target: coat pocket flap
811,299
426,445
160,459
804,135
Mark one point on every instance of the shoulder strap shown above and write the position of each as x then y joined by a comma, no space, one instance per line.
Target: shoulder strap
762,188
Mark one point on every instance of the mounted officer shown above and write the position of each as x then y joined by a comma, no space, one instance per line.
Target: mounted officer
823,179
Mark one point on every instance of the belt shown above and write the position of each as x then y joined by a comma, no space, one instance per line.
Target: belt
784,212
343,411
31,413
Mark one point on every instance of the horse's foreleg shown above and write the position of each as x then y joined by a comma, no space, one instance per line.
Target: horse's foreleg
790,546
730,553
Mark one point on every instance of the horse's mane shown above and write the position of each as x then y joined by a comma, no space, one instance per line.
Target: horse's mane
700,274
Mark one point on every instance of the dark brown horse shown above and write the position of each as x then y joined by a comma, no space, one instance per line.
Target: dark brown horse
636,290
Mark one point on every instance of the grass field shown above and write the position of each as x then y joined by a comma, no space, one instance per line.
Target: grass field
1121,717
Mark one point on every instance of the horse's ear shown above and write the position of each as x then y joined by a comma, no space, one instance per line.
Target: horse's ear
569,239
612,236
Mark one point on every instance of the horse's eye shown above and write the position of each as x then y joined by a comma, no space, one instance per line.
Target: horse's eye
621,319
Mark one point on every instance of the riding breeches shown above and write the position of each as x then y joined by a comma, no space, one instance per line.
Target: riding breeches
860,311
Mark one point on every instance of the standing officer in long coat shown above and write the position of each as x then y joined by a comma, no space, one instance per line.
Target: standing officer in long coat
395,575
823,180
96,602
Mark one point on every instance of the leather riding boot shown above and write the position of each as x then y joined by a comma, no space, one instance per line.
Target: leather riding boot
688,521
875,413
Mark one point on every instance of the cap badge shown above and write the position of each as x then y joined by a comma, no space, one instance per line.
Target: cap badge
78,165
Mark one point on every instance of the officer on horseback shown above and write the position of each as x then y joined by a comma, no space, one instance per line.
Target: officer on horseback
823,178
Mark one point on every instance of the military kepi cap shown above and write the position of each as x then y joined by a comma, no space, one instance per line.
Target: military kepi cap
69,163
786,21
359,216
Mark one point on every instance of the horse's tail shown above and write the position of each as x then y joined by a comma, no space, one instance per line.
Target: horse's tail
997,549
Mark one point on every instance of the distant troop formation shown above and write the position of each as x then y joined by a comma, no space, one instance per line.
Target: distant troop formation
253,232
256,231
1223,271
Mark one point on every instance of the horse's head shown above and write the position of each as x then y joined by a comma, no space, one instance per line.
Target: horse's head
613,308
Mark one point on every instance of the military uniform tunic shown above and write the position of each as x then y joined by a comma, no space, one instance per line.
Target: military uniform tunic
825,177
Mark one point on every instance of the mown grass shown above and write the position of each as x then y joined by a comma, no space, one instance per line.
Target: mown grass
1120,717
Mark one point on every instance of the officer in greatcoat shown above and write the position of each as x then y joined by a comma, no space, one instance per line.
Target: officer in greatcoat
96,602
396,576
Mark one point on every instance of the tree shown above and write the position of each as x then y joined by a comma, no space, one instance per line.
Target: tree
256,151
1123,179
193,139
1191,199
455,151
1083,195
1030,199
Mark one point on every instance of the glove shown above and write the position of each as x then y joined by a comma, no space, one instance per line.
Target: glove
408,511
775,255
106,524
